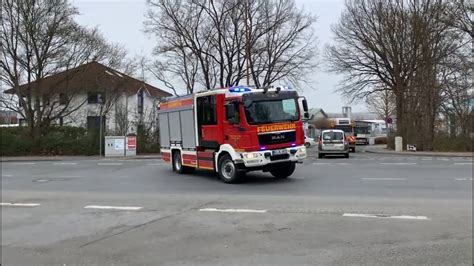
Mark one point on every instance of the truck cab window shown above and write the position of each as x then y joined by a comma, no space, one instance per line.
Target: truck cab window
206,109
233,113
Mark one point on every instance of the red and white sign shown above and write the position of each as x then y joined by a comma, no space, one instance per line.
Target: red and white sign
131,143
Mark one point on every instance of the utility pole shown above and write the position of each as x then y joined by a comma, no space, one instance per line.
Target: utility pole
100,136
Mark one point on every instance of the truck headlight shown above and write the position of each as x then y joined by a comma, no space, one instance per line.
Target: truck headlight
301,151
248,156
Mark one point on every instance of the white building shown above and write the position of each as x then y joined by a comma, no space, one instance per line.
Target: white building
91,93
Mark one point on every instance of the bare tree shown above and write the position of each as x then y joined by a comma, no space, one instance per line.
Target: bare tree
40,39
381,103
225,42
396,45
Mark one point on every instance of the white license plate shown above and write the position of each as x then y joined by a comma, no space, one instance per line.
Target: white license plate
279,152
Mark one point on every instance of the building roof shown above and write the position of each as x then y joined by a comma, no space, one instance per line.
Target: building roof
356,115
90,76
314,111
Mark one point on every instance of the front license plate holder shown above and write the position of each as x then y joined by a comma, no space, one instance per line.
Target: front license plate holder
279,152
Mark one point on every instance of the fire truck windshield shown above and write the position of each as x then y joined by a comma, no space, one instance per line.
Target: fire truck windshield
271,111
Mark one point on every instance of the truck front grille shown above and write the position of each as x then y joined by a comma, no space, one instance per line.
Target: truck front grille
276,138
279,157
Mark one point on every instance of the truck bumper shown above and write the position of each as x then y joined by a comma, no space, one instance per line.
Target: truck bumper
266,157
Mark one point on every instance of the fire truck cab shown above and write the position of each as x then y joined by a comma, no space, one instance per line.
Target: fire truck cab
234,130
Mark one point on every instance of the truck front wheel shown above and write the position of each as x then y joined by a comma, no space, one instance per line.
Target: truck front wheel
228,171
283,170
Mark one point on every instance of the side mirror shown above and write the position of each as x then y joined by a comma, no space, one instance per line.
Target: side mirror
305,109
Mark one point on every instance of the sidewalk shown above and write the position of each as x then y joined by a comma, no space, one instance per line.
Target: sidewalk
382,149
75,158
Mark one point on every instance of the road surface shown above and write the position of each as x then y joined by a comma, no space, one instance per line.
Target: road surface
369,209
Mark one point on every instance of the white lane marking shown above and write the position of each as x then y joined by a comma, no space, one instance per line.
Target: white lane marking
156,164
19,204
7,175
463,179
70,176
427,159
23,163
65,163
111,163
343,164
42,180
125,208
384,216
398,163
462,163
443,159
384,178
297,177
232,210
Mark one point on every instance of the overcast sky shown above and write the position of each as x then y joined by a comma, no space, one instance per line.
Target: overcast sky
121,21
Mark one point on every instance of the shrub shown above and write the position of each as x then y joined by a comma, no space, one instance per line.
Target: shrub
56,141
381,140
16,141
444,142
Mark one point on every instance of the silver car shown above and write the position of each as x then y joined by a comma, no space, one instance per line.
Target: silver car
333,141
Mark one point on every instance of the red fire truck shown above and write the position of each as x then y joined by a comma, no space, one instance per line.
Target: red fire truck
233,131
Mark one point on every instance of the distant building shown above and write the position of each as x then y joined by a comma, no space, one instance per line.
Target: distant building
315,115
8,117
93,90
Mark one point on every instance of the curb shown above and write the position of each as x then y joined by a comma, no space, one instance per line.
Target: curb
440,154
79,158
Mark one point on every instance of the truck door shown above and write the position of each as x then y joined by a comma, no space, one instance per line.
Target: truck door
207,122
235,134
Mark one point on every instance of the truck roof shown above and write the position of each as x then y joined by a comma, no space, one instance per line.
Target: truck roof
229,92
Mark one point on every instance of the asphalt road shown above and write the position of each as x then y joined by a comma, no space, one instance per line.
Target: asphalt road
369,209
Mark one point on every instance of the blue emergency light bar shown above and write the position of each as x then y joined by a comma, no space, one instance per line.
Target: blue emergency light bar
239,89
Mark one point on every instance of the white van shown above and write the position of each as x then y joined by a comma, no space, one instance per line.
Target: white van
333,141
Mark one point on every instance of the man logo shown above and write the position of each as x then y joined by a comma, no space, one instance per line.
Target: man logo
278,137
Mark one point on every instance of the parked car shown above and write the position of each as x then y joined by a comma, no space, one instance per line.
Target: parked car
333,141
308,142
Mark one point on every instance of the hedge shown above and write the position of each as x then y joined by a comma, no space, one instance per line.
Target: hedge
16,141
444,142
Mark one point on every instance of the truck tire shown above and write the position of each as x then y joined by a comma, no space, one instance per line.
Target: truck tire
178,166
320,155
346,155
283,170
228,171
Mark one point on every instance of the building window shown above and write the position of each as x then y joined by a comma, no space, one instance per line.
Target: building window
140,102
95,97
93,122
63,98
